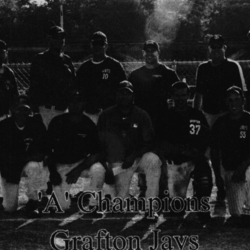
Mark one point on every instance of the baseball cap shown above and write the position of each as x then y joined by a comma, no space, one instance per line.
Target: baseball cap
3,45
56,32
126,85
99,39
235,89
216,41
151,44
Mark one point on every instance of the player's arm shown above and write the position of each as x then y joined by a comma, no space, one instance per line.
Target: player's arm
198,97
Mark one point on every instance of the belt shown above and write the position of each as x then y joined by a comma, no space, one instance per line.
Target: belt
55,107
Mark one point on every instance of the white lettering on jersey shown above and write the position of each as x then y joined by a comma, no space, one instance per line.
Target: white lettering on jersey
194,127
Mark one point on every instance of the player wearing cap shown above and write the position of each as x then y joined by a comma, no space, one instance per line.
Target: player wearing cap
126,135
152,82
231,144
51,75
99,77
182,135
74,151
22,146
213,78
8,84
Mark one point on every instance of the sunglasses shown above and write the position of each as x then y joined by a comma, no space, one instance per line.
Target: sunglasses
216,46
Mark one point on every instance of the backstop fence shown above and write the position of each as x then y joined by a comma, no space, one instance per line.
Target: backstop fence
184,69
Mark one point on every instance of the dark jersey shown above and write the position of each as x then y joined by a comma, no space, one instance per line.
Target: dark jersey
8,90
212,83
99,83
123,136
186,130
70,142
50,78
17,145
232,139
152,88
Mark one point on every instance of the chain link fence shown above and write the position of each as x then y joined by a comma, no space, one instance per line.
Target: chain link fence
185,70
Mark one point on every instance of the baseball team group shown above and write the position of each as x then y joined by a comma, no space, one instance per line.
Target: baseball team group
97,122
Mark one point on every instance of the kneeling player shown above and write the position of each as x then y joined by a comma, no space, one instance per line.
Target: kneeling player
74,151
182,136
22,149
126,135
230,147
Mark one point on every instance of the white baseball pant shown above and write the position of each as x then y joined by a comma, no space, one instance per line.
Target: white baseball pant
96,173
36,177
179,178
238,194
149,164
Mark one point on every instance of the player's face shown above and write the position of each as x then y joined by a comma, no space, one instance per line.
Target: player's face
151,56
217,52
180,97
98,48
57,43
21,114
125,100
235,104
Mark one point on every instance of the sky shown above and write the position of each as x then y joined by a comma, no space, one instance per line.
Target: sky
38,1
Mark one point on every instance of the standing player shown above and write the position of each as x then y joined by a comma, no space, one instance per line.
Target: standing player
126,135
51,75
182,135
74,151
99,77
231,144
22,147
152,82
8,85
213,78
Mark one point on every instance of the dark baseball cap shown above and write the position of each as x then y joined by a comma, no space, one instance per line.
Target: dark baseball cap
151,44
3,45
56,32
22,102
216,41
235,89
126,85
99,39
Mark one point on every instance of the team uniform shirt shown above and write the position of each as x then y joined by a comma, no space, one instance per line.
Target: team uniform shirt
187,130
71,142
122,136
232,139
17,145
8,89
152,87
50,78
212,83
99,82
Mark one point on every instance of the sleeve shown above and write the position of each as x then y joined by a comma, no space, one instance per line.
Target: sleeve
238,77
198,80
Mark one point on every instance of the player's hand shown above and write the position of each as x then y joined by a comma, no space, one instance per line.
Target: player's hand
38,157
73,175
239,174
55,178
128,162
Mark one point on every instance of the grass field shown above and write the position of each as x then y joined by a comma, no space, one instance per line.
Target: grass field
19,232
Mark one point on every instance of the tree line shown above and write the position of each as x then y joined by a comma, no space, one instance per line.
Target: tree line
180,26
